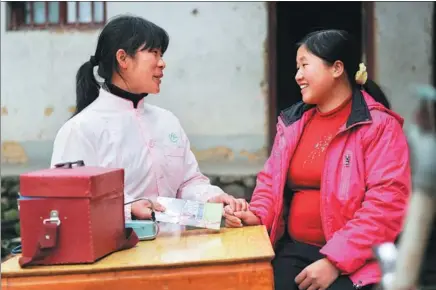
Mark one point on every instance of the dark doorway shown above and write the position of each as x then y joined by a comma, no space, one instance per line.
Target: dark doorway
289,22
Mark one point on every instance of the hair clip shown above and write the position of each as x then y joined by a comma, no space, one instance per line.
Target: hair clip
361,76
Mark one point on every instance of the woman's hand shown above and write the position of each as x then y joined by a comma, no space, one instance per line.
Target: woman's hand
142,209
239,204
239,218
318,275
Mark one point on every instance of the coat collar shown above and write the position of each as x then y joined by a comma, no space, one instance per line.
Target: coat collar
107,101
359,111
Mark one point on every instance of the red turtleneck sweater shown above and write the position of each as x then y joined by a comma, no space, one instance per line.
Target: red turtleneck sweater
305,172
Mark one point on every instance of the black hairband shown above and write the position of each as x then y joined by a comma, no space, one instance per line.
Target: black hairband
93,60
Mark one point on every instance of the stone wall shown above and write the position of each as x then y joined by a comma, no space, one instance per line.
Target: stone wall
239,186
10,230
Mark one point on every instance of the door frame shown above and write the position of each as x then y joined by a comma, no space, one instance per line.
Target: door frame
272,72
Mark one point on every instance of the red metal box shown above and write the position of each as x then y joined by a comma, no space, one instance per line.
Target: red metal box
72,214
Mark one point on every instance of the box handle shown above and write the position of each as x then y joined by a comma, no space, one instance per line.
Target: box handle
69,165
54,218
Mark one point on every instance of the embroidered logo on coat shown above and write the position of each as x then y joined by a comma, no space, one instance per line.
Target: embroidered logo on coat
173,137
346,173
347,160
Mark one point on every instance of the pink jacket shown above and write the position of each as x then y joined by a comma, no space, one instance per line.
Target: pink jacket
365,186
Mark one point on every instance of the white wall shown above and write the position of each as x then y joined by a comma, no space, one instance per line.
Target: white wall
404,50
212,81
215,65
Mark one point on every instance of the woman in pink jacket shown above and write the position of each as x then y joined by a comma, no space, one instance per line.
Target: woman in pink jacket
338,178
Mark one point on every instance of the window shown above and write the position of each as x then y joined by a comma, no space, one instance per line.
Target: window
42,15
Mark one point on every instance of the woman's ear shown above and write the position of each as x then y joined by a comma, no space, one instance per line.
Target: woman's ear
338,69
121,57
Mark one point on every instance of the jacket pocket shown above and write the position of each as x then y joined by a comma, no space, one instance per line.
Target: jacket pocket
174,151
174,166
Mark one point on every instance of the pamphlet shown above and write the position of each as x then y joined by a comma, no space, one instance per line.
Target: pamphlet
190,213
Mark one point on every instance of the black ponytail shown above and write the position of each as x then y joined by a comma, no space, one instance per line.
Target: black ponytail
332,45
376,92
87,87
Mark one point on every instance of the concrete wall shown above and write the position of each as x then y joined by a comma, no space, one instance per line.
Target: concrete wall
403,50
215,68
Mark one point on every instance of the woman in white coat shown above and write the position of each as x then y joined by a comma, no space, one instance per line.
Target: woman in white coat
114,127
